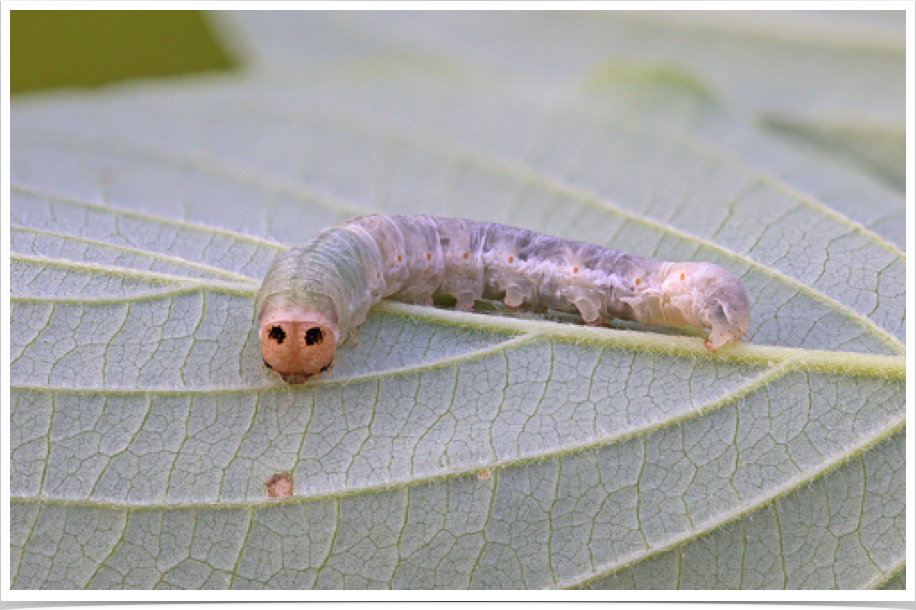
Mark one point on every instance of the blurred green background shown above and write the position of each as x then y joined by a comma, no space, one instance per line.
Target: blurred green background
56,49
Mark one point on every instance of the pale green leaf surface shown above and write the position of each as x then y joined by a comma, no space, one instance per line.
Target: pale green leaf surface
449,449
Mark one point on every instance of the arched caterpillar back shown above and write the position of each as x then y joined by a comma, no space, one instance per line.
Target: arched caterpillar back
314,295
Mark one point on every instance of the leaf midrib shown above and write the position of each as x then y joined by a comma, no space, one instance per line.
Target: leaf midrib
761,380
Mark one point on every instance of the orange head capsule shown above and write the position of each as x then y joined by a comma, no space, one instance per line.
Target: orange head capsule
297,345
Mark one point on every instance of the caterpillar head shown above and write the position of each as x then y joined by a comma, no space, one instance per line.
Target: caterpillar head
296,344
710,296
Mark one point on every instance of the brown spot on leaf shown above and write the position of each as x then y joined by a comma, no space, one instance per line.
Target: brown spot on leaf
484,474
280,485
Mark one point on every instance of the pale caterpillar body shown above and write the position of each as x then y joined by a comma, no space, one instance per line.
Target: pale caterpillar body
315,295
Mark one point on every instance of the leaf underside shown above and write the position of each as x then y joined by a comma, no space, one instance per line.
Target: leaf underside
453,450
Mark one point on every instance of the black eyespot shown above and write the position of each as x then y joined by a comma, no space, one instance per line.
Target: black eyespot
314,336
277,334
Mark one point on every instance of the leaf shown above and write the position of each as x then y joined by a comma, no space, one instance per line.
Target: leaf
445,449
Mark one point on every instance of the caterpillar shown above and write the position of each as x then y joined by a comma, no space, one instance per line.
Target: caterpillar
315,295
